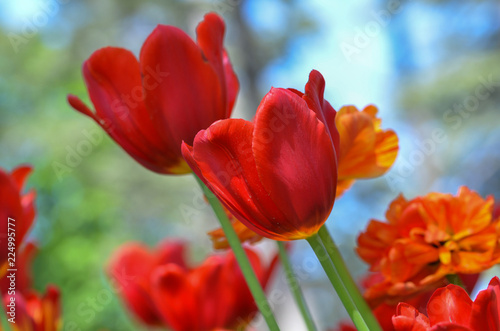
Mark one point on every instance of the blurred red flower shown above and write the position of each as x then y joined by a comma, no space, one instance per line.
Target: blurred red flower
34,312
450,308
19,207
277,175
176,89
426,239
162,290
384,311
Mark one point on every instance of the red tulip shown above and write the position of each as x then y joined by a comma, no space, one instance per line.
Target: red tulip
176,89
17,212
160,289
277,175
450,308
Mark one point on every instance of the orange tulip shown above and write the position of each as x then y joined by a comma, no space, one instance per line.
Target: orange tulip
366,151
428,238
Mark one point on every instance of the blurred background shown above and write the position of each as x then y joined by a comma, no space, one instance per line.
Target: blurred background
432,68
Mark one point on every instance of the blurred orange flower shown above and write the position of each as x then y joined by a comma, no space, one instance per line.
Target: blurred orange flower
219,239
366,151
426,239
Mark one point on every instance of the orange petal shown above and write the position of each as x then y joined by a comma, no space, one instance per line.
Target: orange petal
365,150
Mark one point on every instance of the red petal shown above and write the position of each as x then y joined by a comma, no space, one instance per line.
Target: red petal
171,251
13,210
210,34
114,83
407,318
295,160
232,84
130,267
449,304
188,94
314,91
20,174
486,308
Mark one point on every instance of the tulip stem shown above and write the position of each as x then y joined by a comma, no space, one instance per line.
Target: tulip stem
242,258
333,276
347,281
295,287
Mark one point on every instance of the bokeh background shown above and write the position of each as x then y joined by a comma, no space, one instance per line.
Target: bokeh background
432,68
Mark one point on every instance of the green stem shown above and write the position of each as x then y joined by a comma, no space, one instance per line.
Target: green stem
242,258
326,263
348,282
295,287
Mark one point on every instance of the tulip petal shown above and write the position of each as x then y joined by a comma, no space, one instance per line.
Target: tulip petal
486,308
210,34
407,318
114,83
313,95
289,136
175,298
365,150
449,304
185,92
130,267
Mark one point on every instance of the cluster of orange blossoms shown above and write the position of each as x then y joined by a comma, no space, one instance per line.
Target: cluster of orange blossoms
426,239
